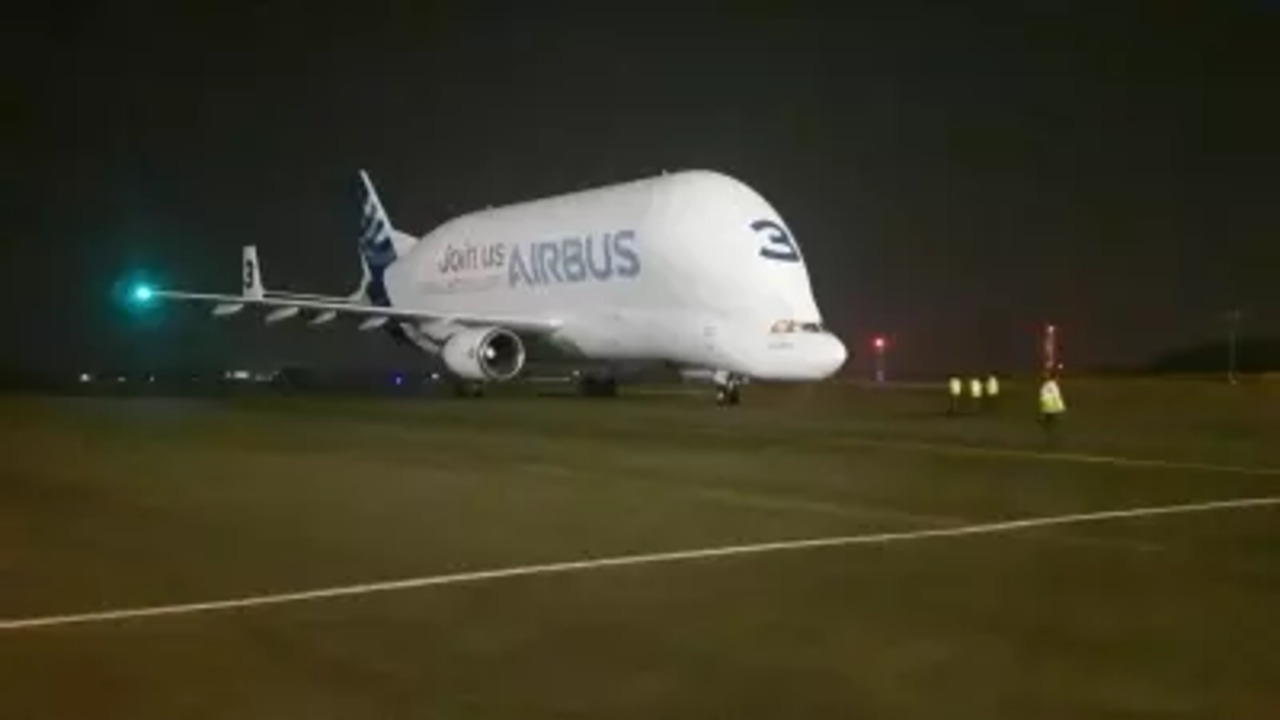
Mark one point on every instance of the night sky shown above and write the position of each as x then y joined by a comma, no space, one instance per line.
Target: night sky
954,177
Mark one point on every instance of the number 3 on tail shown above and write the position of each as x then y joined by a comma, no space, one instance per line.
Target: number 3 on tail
248,274
780,246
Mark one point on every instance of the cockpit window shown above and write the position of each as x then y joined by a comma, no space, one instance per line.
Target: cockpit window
796,326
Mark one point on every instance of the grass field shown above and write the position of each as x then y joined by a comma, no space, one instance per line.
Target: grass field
117,503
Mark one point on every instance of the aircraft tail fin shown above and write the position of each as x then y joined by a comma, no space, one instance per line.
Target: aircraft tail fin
380,244
252,273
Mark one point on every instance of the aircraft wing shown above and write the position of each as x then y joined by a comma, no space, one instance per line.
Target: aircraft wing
325,308
286,305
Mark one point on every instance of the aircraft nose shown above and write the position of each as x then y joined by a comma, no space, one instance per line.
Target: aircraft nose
833,354
803,357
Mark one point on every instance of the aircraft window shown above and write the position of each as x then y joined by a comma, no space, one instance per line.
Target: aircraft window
794,326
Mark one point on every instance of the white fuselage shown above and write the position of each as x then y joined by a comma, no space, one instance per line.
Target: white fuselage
668,269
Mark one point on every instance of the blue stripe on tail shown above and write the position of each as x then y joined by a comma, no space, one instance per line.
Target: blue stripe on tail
376,248
377,252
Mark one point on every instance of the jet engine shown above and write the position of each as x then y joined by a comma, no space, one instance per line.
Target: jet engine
484,354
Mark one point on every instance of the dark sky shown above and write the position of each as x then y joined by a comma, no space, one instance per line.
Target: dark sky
954,177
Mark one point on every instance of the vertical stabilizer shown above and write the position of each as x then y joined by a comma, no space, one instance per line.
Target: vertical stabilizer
380,244
251,273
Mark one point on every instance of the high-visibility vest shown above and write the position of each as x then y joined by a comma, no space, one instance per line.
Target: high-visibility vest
956,387
1051,402
975,387
993,386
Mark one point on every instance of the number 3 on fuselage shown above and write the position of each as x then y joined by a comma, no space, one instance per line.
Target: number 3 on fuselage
780,246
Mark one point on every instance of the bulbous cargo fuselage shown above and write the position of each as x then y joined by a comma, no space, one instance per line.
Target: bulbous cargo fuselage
693,268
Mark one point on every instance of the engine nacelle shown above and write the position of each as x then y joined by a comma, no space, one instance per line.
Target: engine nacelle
488,354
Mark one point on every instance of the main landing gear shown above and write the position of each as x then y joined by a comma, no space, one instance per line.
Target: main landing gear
597,385
468,389
727,391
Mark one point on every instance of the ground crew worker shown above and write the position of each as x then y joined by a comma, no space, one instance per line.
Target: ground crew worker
975,393
956,389
993,390
1051,406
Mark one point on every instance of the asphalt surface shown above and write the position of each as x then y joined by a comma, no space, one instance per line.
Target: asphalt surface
110,504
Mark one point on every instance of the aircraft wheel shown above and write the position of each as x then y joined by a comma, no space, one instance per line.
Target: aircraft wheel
728,395
592,386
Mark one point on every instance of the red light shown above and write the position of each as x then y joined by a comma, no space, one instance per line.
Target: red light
879,343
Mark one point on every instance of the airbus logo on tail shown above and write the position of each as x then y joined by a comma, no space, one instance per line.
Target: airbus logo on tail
780,245
375,232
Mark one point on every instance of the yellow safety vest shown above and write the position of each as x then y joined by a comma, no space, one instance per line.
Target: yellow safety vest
993,386
956,386
1051,402
975,388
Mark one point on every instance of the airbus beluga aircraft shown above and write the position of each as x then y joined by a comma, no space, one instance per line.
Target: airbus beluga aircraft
692,269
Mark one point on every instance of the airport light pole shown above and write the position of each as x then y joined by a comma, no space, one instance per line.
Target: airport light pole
879,345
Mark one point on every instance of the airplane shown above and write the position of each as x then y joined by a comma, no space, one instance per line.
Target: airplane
691,269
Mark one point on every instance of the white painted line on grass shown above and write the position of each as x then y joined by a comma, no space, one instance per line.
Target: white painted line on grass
624,560
1117,461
